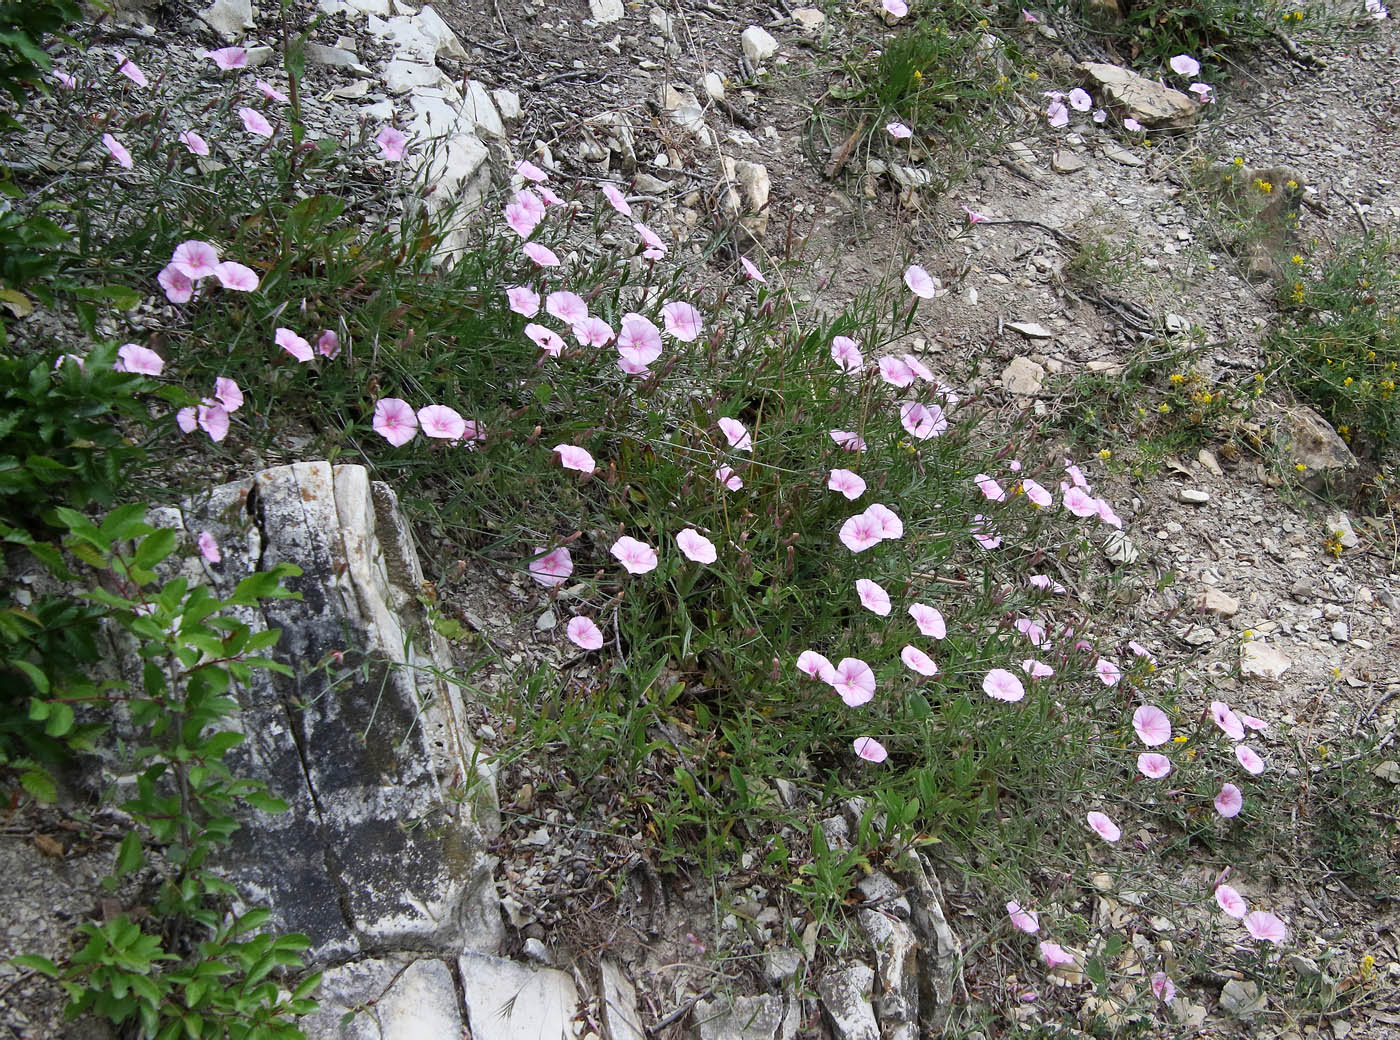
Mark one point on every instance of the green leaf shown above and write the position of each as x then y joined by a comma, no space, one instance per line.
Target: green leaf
36,676
44,966
130,854
60,719
154,548
40,785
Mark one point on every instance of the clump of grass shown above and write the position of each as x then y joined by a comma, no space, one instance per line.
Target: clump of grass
1337,343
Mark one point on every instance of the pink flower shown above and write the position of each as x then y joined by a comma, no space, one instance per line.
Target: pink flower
187,419
873,597
1153,766
392,143
131,71
1227,720
178,288
328,344
1249,759
973,217
1250,722
655,248
636,557
728,478
294,345
920,282
616,199
1036,494
682,321
196,144
575,458
530,171
1231,902
847,440
568,307
846,353
1055,955
1108,672
1002,685
593,332
64,80
132,357
929,620
1034,631
583,633
894,371
541,255
860,532
899,131
1027,921
1185,65
1106,513
918,367
441,422
639,341
523,300
546,339
870,749
916,660
1045,583
269,91
891,526
1036,669
983,533
1131,124
922,421
549,196
1229,801
990,488
696,546
228,394
1152,725
1140,650
213,420
117,151
751,270
1080,502
1079,100
1076,475
235,276
1203,92
531,203
735,433
394,420
553,567
1029,17
1099,115
1104,827
1163,987
854,681
195,259
1265,927
1058,114
209,547
228,57
816,665
254,122
847,483
522,220
895,8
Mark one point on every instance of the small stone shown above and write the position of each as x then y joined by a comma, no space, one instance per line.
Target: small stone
507,104
1213,601
758,44
714,86
1123,156
1153,105
1199,635
1209,462
1259,659
1302,589
1023,377
1340,632
1304,966
1389,771
781,964
1193,496
1119,548
229,18
605,12
1339,526
1030,329
537,951
335,57
1103,882
809,18
1066,161
1242,999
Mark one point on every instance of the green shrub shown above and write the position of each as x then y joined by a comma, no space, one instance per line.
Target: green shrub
24,24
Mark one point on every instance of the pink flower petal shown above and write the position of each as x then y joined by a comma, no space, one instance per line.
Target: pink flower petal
1055,955
575,458
1002,685
616,199
394,420
441,423
1104,827
918,661
294,345
898,131
751,270
1163,987
682,321
523,300
873,597
228,394
1152,725
1249,758
117,151
847,483
696,546
929,620
636,557
1227,720
1231,902
541,255
736,434
854,681
870,749
1153,766
1229,801
1265,927
1027,921
817,666
583,633
132,357
196,144
391,143
254,122
552,568
920,282
235,276
209,547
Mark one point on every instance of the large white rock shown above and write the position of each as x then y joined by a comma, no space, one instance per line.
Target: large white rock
509,1001
605,12
389,998
229,18
1149,102
758,44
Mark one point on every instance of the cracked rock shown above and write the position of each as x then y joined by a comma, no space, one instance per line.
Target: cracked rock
845,993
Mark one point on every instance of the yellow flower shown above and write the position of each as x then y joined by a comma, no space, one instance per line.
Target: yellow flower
918,75
1300,467
1164,408
1292,186
1177,379
1263,185
1105,454
1032,75
1368,967
1180,738
1297,257
1238,160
